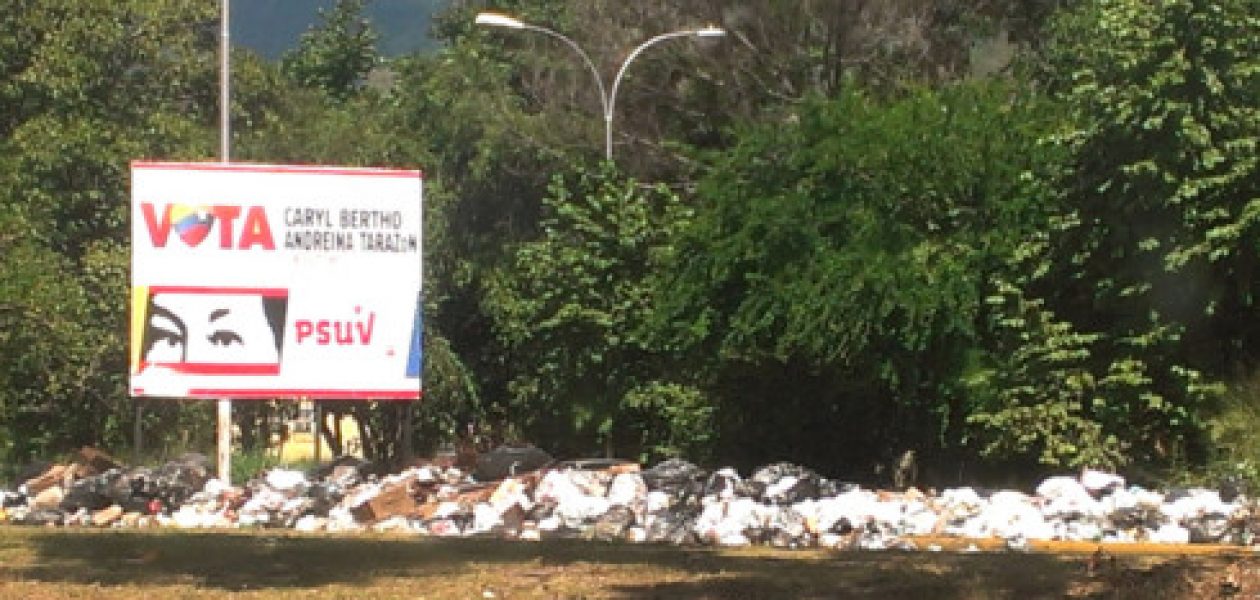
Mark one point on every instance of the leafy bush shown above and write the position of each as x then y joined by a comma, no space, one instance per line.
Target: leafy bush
1236,447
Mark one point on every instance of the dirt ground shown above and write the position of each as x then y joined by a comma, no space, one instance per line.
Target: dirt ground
64,563
1181,577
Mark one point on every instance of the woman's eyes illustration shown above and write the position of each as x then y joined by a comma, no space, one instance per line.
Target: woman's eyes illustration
173,339
224,337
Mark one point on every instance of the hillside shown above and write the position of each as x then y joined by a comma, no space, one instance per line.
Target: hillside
272,26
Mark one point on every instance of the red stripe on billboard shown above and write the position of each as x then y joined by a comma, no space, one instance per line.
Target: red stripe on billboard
266,394
262,168
187,289
365,395
217,368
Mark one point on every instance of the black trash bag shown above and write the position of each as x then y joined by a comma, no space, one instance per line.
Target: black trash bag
463,519
782,539
541,510
612,525
1177,493
131,489
683,481
786,483
1125,518
345,476
43,516
91,493
508,461
671,474
828,488
1243,527
12,500
176,481
1233,486
593,464
727,482
672,528
324,497
193,468
1208,529
288,518
363,467
140,481
143,484
787,529
842,527
1136,517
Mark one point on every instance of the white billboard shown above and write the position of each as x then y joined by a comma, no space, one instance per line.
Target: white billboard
266,281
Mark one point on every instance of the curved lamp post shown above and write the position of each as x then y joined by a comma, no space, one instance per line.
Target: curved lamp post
607,97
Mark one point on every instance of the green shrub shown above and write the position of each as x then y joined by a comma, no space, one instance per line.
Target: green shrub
1235,458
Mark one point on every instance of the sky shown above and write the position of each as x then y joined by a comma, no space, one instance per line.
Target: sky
271,27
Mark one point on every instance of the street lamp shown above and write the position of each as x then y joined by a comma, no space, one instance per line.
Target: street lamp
607,98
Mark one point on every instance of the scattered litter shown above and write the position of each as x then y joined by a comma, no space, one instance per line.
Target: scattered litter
530,496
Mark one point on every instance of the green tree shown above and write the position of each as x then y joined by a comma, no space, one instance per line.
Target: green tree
336,55
87,86
1151,253
500,111
831,284
572,309
488,156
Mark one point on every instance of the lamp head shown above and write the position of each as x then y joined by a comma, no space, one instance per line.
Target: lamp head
498,20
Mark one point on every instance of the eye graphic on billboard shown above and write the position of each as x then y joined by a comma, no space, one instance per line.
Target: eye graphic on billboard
258,281
223,331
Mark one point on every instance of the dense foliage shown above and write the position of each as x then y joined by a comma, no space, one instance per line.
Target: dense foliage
1002,233
832,282
1135,305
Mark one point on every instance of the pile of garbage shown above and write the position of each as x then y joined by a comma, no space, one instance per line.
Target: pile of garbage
521,493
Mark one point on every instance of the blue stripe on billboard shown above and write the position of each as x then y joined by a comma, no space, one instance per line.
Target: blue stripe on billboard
416,353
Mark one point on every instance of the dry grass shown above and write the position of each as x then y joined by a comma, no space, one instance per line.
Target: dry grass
58,563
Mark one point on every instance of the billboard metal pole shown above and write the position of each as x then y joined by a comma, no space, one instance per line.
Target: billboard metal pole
224,452
138,431
318,429
225,79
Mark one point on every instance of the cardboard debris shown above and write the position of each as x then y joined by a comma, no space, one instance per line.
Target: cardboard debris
98,460
392,501
48,499
55,475
107,516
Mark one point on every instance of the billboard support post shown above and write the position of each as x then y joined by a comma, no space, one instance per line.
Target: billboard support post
408,452
225,79
137,431
225,145
317,429
224,455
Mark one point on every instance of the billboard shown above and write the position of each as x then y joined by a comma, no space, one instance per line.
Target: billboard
267,281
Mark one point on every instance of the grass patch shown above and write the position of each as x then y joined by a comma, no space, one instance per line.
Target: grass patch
67,563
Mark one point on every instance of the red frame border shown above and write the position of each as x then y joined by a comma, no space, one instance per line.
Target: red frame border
268,168
283,394
267,394
208,290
